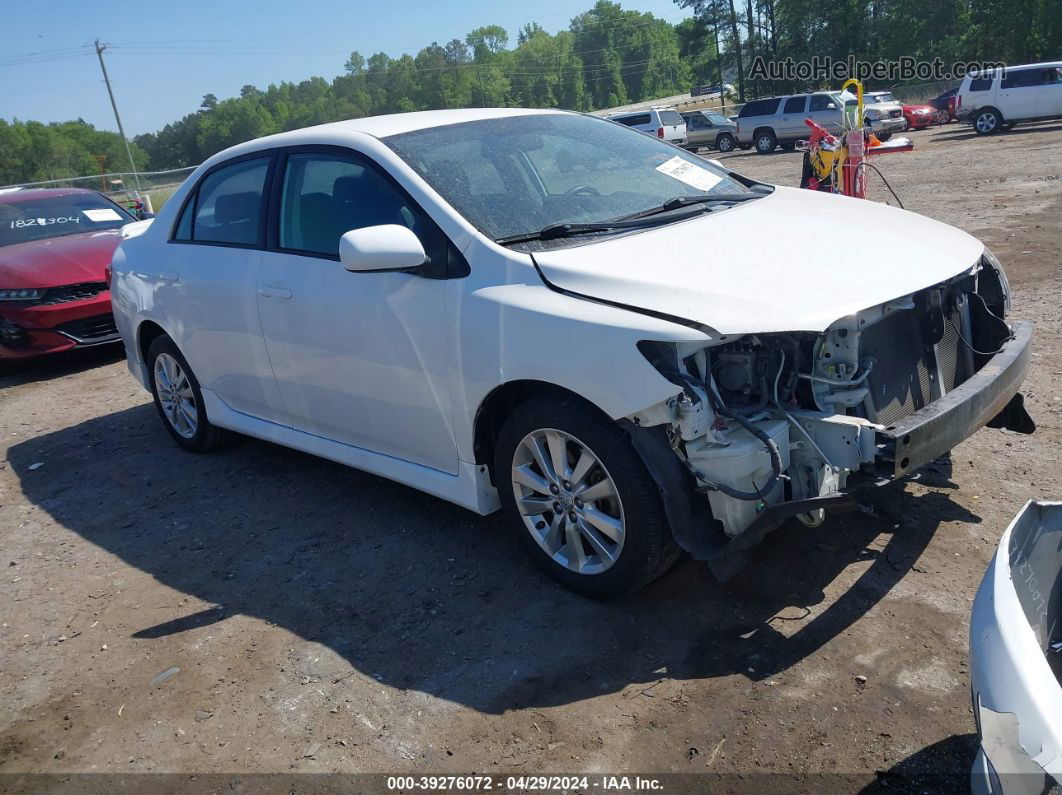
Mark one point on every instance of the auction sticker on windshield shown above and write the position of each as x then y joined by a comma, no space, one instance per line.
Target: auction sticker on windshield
690,173
102,214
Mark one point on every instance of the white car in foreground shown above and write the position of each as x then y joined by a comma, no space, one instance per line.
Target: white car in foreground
1015,663
628,348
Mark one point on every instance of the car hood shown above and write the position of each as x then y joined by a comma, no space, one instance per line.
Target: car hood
70,259
913,108
795,260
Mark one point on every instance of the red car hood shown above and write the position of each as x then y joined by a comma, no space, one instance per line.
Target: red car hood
70,259
913,108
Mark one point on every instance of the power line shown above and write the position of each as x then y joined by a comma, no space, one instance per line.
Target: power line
121,130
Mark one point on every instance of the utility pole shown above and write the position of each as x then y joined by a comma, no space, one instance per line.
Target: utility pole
121,131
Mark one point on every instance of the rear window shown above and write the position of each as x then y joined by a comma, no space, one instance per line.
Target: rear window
795,104
227,205
759,107
981,83
631,121
671,117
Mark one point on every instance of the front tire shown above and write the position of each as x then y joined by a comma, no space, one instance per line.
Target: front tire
988,121
580,499
725,142
178,399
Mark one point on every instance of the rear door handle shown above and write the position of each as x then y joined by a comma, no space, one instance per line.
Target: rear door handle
273,291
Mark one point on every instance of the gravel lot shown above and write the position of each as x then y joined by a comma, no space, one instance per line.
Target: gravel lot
326,620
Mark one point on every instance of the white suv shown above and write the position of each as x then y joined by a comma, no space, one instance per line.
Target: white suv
474,303
666,124
1000,99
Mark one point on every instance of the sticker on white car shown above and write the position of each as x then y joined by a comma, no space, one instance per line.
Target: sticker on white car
690,173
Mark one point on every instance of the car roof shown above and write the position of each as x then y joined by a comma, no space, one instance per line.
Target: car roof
397,123
24,194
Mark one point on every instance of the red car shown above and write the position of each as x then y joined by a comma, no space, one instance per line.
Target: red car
921,116
55,250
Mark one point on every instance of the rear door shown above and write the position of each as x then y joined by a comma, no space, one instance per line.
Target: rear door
206,288
674,125
794,111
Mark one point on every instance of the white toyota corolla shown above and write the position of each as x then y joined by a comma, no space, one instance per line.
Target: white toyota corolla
629,349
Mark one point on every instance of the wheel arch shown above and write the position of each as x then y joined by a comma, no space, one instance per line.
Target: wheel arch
147,332
500,403
764,128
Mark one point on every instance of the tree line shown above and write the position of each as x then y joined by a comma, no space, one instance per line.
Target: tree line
607,56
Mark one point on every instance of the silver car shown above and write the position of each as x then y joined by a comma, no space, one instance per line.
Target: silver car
768,123
708,128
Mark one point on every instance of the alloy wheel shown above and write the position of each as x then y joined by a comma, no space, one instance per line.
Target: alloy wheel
176,396
986,122
725,143
568,501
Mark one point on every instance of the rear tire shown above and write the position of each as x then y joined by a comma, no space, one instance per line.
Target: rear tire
178,399
789,146
765,141
624,541
988,121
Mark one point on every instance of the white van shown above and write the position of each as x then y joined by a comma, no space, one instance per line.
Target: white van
1000,99
664,123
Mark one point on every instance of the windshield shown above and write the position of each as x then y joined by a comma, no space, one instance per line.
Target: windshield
717,118
878,99
519,174
57,216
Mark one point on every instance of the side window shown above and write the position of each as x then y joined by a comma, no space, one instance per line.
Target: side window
326,195
759,107
228,208
820,102
794,105
1020,78
632,121
981,83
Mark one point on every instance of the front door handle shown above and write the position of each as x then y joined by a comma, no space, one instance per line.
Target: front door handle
273,291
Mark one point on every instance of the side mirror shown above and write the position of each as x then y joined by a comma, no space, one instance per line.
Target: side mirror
830,106
388,247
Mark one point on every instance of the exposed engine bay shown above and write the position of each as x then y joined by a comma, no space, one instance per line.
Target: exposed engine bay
764,420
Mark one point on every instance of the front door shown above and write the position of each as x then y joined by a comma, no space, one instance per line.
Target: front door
360,358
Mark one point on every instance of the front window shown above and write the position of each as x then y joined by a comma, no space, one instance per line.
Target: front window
516,175
58,216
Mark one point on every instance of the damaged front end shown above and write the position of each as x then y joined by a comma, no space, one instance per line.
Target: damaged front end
771,426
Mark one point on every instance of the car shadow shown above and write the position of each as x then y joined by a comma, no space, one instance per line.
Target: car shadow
15,372
932,770
426,596
966,132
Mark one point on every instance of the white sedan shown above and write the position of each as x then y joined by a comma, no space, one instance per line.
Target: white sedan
630,349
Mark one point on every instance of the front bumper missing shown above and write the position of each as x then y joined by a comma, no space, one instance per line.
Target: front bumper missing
932,431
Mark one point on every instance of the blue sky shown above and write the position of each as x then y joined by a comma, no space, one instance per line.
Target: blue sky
167,55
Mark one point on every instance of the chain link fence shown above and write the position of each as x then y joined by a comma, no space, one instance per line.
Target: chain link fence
154,187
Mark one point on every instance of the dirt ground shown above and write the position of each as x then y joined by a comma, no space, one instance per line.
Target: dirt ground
326,620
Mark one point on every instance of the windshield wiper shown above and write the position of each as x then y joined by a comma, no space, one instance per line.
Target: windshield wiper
691,201
697,205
